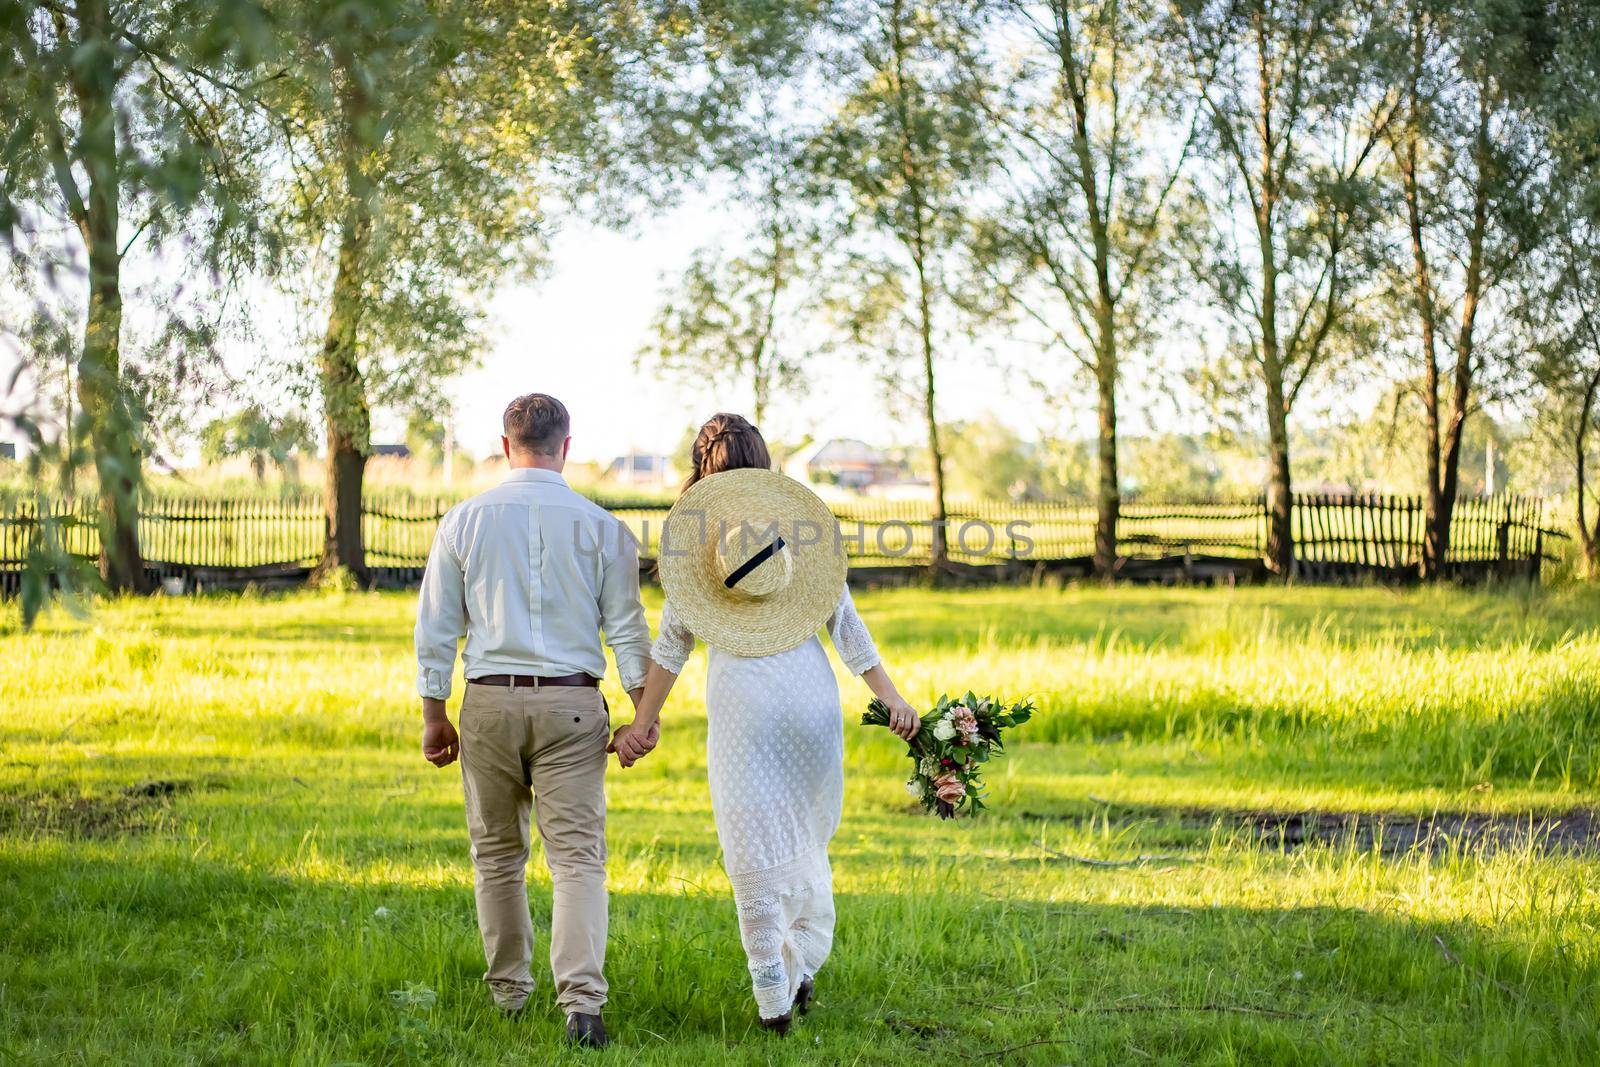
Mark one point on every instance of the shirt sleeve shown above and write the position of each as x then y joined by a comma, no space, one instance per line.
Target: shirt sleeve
674,643
621,613
851,638
441,616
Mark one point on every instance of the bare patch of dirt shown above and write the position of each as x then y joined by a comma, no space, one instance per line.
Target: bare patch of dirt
1390,833
132,810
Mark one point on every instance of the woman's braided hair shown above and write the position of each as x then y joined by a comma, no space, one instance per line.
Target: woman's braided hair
725,443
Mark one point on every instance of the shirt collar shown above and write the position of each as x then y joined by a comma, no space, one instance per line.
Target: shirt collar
534,474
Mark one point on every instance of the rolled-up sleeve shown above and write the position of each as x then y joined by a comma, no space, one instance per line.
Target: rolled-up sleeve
621,612
441,616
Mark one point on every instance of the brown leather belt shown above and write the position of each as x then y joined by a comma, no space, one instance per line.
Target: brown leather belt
531,681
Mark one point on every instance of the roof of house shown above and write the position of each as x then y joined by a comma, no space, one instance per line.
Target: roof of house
841,450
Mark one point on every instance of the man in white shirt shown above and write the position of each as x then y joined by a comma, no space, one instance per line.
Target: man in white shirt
530,573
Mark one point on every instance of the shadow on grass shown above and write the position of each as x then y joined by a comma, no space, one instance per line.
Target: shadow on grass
165,955
1572,832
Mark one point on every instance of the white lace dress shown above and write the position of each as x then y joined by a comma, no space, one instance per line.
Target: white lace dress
775,758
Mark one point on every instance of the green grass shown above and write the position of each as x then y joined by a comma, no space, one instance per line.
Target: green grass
302,894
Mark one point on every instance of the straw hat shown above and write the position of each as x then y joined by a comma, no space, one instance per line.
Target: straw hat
752,561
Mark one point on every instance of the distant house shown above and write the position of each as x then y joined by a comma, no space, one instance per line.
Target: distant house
642,470
855,466
392,451
8,450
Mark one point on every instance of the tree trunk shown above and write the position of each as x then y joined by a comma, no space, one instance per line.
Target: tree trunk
347,418
348,421
1588,535
1108,495
939,553
917,245
1108,492
113,431
1280,483
1433,548
1442,494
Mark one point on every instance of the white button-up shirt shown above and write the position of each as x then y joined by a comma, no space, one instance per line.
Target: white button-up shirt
530,572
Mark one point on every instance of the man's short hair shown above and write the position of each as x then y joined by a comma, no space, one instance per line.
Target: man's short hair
537,423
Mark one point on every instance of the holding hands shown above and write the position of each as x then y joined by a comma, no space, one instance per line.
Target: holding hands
635,740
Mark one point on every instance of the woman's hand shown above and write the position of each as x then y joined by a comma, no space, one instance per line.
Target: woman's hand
634,741
903,718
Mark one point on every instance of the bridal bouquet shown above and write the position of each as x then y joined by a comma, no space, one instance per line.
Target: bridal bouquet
956,739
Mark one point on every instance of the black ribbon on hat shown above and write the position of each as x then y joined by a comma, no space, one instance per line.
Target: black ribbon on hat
752,563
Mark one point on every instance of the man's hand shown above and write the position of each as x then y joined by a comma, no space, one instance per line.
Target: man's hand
634,741
440,742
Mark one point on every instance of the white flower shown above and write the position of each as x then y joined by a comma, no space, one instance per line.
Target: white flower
914,788
928,767
380,913
944,729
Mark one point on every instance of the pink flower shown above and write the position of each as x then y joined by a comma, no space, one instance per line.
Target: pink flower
966,723
949,788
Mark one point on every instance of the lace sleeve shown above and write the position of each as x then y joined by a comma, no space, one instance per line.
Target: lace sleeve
850,637
674,643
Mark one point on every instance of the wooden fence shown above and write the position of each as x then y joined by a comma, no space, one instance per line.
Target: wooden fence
220,542
1342,538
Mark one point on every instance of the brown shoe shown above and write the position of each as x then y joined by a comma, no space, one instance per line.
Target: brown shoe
803,995
779,1025
587,1031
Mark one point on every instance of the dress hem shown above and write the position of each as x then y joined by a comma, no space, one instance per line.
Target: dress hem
807,870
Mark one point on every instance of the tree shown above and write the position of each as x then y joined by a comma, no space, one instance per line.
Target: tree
414,130
1557,63
900,160
732,313
1295,107
430,139
261,437
1562,309
1095,155
1468,169
426,435
130,123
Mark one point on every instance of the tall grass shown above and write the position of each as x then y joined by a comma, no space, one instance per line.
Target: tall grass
218,844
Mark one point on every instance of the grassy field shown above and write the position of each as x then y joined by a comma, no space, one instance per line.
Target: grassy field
219,845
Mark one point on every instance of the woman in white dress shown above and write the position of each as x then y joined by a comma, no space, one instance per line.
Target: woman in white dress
775,738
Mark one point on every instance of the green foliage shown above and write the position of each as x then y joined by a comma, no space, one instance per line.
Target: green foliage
425,436
130,129
894,167
725,320
735,313
261,437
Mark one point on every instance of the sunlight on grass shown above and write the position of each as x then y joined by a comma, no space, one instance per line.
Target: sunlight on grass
219,844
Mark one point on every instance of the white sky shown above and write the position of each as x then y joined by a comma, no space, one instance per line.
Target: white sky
575,333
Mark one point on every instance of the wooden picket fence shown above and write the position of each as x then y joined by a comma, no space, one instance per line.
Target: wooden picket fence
232,541
1379,537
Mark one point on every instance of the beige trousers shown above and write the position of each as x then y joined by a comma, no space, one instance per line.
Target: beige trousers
544,748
